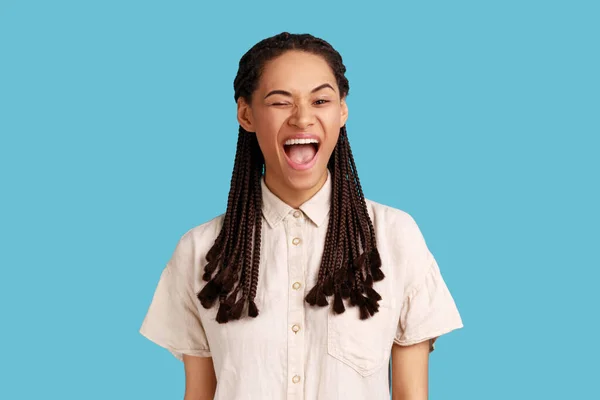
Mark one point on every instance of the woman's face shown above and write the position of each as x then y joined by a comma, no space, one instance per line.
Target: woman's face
297,97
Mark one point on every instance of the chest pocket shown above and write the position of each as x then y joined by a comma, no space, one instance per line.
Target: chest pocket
364,345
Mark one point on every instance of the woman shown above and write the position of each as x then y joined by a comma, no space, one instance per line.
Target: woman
303,288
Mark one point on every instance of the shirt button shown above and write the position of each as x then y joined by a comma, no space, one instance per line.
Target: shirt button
296,379
297,214
296,328
296,285
296,241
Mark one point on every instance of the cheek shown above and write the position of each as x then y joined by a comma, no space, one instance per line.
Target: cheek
269,120
267,127
331,124
331,118
266,132
331,143
267,147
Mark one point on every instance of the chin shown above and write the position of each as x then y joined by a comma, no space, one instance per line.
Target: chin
306,180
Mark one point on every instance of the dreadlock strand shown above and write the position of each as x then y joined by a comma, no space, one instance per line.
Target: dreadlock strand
247,253
252,308
342,237
315,294
232,248
237,257
350,248
329,267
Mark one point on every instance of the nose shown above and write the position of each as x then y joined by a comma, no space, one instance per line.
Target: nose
302,116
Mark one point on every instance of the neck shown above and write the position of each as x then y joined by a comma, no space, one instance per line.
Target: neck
292,196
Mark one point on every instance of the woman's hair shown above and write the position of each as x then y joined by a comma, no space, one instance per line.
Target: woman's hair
350,262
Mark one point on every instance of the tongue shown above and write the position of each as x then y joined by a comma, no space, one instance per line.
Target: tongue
301,153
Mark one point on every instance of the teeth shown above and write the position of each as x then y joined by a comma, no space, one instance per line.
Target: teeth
300,141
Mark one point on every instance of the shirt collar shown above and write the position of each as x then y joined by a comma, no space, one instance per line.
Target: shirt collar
316,208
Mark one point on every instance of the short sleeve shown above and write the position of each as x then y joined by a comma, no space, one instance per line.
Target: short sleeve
173,320
428,310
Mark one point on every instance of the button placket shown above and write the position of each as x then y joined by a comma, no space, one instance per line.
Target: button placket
296,341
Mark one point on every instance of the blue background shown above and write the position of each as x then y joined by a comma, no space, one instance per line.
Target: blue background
118,131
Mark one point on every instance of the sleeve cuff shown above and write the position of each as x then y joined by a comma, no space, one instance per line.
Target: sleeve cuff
175,351
433,336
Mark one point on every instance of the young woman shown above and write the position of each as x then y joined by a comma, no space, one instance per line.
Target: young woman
303,288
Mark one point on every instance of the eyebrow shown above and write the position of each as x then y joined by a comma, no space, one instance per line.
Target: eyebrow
284,93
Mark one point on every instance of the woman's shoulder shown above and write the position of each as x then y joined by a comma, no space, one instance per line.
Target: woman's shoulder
388,215
396,225
209,228
400,239
202,236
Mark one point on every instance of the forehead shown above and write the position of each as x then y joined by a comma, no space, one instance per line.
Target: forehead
296,71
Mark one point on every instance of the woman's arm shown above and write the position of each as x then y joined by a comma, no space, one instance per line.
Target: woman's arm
200,379
410,369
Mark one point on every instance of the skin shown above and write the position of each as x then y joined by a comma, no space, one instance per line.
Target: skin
410,370
200,379
285,103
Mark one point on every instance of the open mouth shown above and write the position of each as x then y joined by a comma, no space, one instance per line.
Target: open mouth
301,152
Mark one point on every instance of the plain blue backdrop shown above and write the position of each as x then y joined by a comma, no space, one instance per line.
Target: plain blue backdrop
118,130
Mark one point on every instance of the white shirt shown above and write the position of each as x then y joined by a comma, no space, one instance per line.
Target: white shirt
293,350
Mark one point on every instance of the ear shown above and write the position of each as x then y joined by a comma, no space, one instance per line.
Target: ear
244,115
343,112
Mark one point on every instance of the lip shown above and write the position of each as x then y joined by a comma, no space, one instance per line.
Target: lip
296,166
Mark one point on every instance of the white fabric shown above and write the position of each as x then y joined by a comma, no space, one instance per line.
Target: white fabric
292,350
